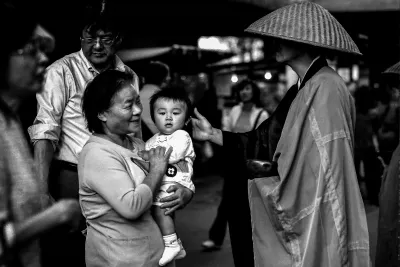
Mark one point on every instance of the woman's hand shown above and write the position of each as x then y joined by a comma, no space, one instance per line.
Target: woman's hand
179,199
158,158
202,129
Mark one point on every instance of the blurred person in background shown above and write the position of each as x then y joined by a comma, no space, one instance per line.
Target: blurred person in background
386,118
368,162
156,76
24,200
388,243
247,115
306,206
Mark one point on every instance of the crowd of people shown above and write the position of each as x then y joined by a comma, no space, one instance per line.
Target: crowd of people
113,158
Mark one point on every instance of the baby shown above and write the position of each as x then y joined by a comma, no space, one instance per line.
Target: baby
170,110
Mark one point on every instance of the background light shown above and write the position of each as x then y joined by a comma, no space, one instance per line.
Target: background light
268,75
234,78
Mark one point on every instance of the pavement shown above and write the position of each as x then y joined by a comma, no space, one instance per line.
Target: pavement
193,223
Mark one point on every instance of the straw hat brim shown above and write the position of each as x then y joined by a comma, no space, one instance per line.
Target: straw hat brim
304,42
307,23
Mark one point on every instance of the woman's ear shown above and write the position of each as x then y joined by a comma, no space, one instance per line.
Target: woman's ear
102,116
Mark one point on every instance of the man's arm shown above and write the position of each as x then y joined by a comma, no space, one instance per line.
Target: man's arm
46,128
43,155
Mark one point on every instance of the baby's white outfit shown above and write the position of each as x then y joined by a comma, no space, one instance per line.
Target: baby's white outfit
182,151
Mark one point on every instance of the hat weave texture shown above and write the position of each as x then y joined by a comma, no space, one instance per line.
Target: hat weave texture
395,69
308,23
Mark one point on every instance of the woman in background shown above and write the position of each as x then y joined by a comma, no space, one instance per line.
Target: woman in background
243,117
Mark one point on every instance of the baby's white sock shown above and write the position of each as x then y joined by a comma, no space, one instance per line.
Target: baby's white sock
171,249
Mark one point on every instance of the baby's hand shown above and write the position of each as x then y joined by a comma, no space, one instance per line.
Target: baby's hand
144,154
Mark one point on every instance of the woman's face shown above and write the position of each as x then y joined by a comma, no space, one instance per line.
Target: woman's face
123,117
169,115
246,94
27,64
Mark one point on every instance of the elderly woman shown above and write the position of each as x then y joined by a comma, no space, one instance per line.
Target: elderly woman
306,206
116,186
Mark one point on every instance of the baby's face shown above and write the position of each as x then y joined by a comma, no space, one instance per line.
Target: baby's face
169,115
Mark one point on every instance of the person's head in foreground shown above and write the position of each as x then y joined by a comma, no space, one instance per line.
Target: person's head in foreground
111,105
24,54
170,109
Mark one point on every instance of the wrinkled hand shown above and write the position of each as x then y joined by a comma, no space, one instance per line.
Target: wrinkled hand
202,129
180,197
157,157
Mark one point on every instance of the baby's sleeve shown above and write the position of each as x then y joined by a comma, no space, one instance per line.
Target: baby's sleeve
182,146
183,151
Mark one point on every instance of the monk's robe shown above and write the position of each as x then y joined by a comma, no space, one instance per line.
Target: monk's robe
309,211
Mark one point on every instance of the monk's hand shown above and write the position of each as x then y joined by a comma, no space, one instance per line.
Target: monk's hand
202,129
179,199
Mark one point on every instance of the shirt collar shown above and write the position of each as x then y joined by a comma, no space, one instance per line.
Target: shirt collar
118,64
317,64
299,80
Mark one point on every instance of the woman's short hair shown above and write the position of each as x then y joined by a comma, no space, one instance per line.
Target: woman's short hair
174,93
256,91
99,94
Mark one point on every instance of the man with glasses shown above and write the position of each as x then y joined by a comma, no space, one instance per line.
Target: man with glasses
59,131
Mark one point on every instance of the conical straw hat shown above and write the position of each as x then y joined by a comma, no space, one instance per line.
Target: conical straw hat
395,69
308,23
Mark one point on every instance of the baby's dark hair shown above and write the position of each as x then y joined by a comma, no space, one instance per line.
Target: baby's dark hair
174,93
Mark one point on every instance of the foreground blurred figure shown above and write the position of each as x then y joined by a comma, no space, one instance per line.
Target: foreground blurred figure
306,206
22,198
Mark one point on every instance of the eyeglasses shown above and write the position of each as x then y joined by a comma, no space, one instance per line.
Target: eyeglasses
29,50
34,47
106,41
